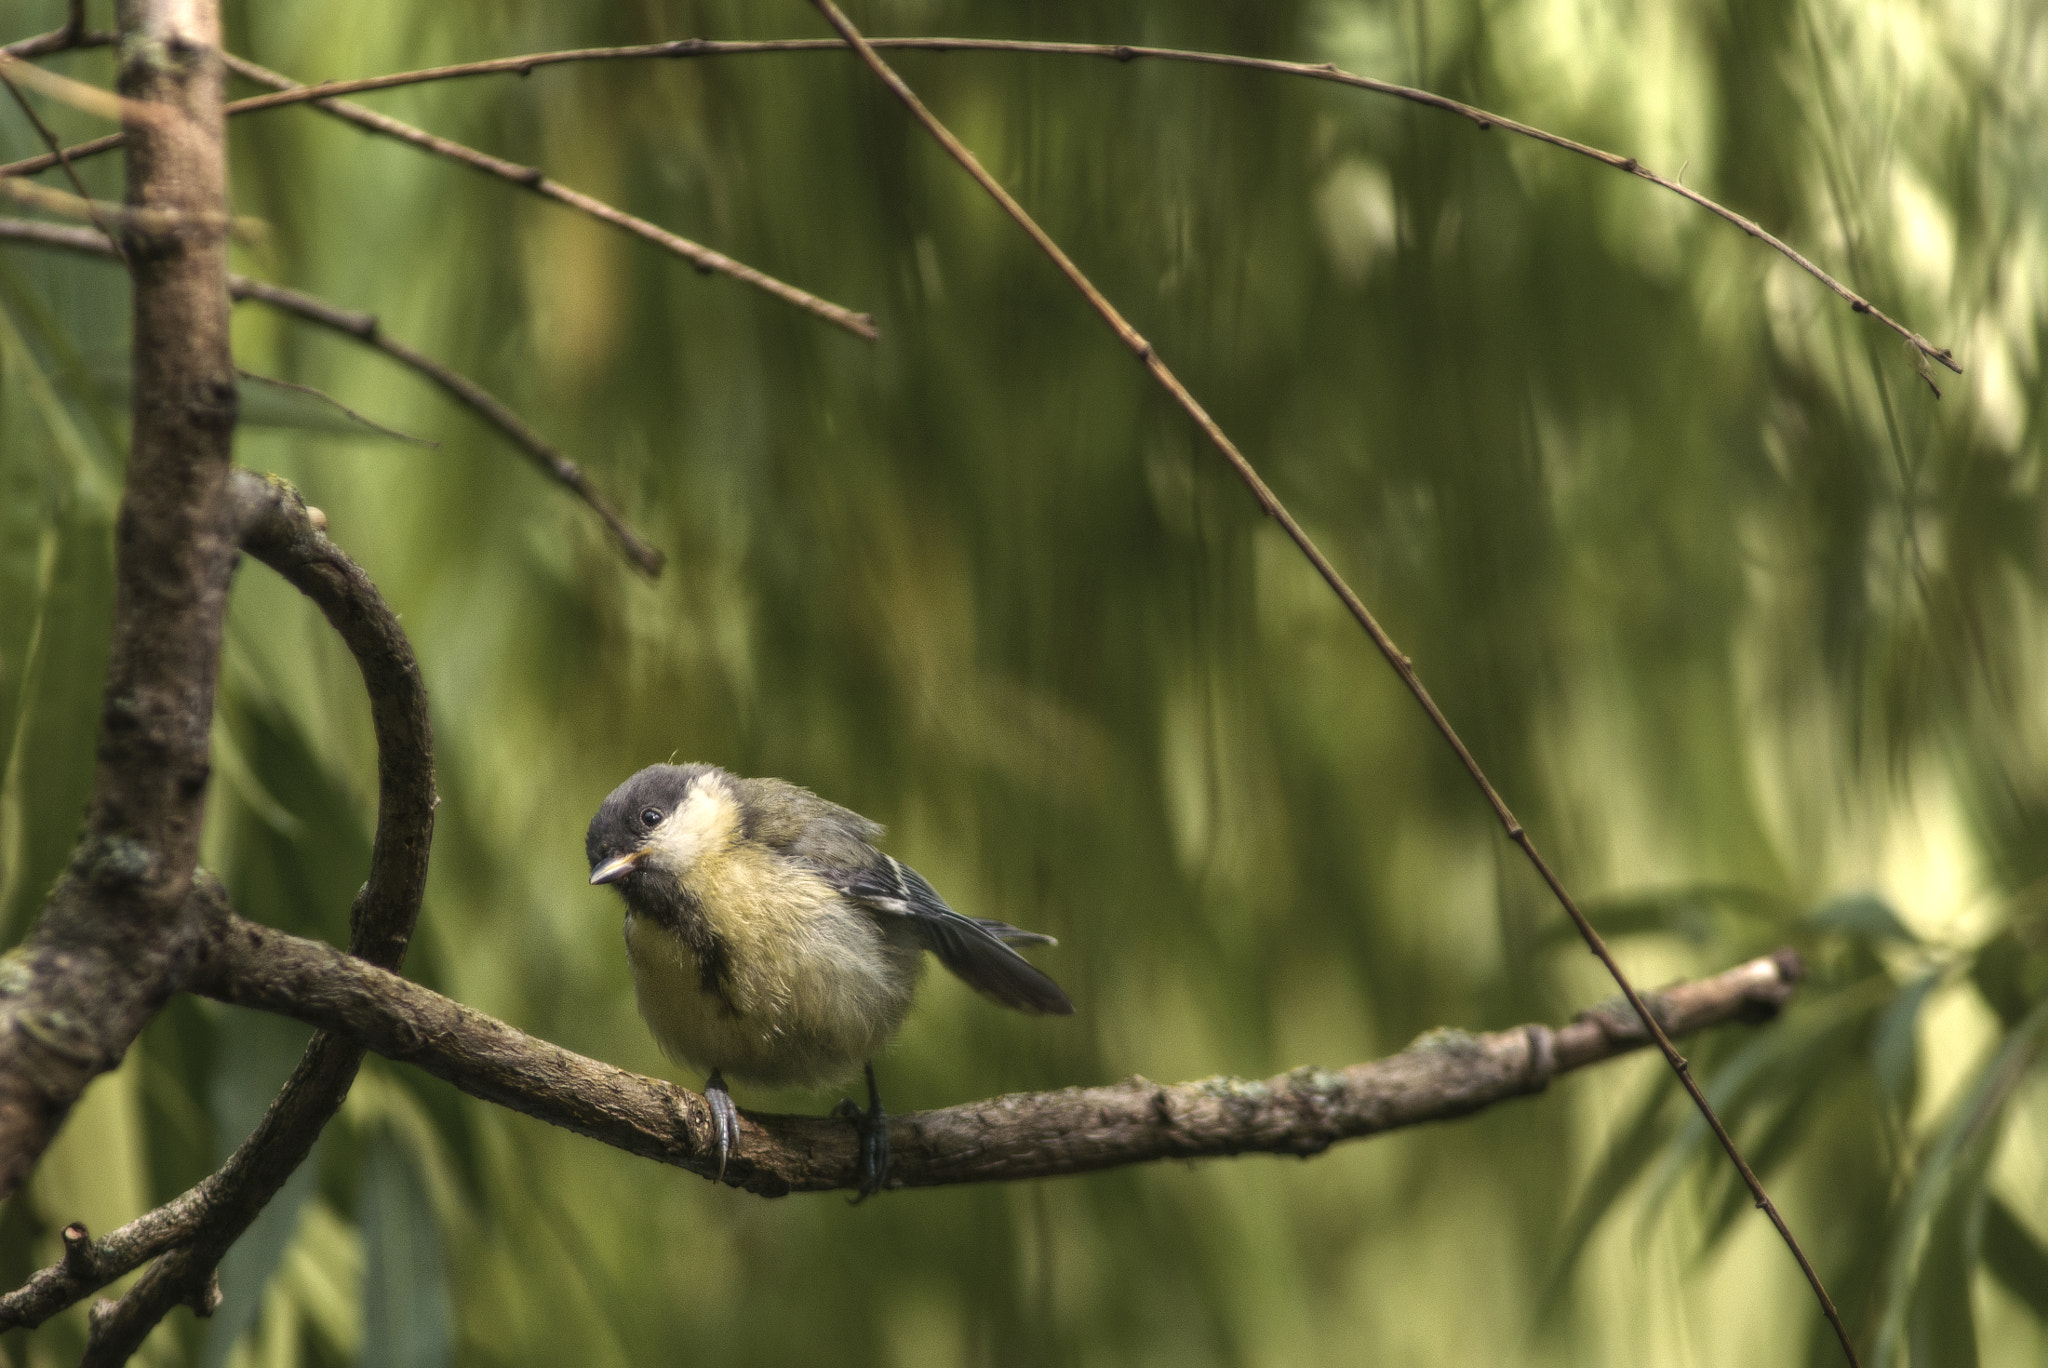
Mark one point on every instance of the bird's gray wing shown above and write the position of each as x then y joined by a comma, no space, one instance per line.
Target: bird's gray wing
796,822
1015,935
972,947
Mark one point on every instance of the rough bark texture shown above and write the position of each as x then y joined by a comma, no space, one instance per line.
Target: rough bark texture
276,529
1443,1075
106,951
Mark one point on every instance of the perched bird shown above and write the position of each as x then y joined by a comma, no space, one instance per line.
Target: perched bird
770,940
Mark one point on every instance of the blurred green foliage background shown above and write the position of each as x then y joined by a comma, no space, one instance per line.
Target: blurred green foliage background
1746,624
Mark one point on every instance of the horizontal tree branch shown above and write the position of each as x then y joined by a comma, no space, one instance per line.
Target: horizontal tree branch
365,328
1443,1075
682,48
89,1264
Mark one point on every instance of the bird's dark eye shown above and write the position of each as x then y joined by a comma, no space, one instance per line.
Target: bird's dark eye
650,817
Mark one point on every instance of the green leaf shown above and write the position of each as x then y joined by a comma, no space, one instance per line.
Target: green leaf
1700,913
2008,970
257,1054
1787,1068
1864,916
1625,1159
57,693
1894,1055
406,1318
1933,1245
2014,1257
94,466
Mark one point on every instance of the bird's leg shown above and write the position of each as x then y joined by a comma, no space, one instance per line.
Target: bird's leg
873,1126
725,1120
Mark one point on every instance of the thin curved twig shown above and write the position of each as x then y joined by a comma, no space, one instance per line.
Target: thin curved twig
467,392
534,179
704,259
49,137
276,528
1270,502
365,329
57,40
1482,119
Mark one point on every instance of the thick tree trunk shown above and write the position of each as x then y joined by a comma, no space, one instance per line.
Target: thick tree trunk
107,949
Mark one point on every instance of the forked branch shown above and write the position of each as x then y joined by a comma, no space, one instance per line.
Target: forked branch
275,528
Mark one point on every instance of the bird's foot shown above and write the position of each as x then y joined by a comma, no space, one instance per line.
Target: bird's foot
725,1120
873,1126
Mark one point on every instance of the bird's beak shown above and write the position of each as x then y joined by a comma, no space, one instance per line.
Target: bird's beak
618,867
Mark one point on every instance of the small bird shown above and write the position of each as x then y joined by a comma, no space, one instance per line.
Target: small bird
772,941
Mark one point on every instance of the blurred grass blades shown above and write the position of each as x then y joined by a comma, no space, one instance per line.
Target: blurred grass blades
256,1053
406,1314
1937,1239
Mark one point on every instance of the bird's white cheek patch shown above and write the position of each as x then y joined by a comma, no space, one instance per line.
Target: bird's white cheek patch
704,822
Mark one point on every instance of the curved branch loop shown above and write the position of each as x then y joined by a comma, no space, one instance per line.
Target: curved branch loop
277,529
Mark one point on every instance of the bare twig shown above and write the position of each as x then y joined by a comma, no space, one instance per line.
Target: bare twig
84,96
147,219
1444,1075
72,35
1277,511
1118,52
49,138
365,328
89,1264
703,258
274,527
91,147
532,178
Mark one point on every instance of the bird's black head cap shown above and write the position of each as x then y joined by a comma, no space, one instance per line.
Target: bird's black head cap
629,817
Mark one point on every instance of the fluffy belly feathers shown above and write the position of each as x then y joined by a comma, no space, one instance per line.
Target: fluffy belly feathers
830,996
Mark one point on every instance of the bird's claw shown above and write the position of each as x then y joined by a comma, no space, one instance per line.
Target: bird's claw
725,1121
873,1127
